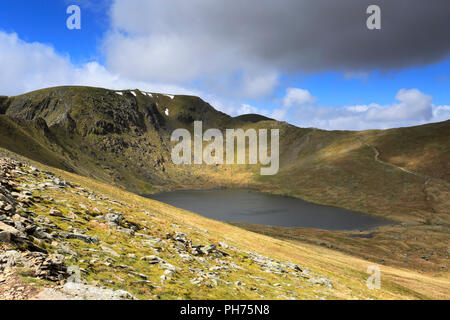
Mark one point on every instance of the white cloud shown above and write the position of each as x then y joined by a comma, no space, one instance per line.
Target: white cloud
296,96
234,108
246,109
259,84
414,105
361,108
441,113
182,59
30,66
157,40
413,108
94,74
27,66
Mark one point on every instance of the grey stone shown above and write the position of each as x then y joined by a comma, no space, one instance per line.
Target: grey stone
5,236
10,258
82,237
152,259
55,213
75,274
7,228
209,249
110,251
41,233
114,218
323,282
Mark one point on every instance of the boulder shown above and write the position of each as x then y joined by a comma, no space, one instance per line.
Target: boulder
209,249
113,218
110,251
75,274
55,213
11,230
10,258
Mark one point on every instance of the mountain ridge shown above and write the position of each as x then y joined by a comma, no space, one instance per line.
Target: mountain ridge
118,141
123,137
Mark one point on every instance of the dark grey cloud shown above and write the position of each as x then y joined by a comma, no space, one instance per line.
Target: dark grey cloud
297,35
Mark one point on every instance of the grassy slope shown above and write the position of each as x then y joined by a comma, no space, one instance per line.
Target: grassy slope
335,168
347,273
424,149
339,169
416,247
24,139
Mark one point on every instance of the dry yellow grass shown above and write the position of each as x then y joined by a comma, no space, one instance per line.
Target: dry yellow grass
350,272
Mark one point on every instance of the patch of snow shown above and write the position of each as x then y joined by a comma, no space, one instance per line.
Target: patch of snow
166,112
133,93
170,96
119,93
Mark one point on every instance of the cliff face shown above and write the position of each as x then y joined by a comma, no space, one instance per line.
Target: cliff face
102,111
117,136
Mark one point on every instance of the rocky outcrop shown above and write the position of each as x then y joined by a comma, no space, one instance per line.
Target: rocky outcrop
19,229
42,265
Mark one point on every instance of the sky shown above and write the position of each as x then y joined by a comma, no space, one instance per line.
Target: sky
310,63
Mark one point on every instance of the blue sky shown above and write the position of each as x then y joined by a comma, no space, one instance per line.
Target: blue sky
152,46
45,21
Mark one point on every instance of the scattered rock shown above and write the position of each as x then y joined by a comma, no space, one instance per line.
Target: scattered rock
110,251
49,267
209,249
323,282
30,232
77,236
7,228
55,213
75,274
113,218
152,259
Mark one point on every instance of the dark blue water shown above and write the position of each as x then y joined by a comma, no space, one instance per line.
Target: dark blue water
265,209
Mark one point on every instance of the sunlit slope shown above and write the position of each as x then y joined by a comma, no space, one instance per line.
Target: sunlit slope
346,274
342,168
